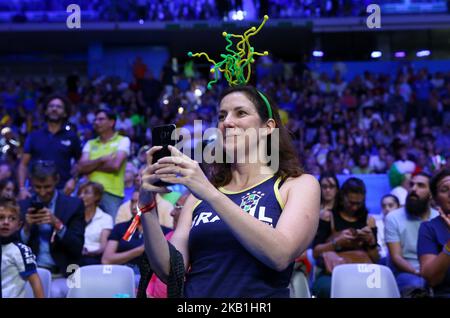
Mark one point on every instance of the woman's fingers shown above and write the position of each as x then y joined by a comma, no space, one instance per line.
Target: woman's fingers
171,169
177,153
179,161
148,184
152,168
170,178
150,153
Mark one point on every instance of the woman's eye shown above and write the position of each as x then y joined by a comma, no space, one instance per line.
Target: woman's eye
241,113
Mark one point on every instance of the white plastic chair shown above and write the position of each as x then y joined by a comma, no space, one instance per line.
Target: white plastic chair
363,281
46,279
298,286
102,281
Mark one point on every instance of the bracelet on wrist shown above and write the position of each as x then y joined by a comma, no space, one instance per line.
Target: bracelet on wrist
147,208
137,219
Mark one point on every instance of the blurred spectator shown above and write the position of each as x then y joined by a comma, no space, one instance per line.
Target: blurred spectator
104,160
5,171
389,203
347,227
401,234
98,223
17,262
56,142
129,179
54,225
399,176
329,184
118,251
362,166
433,247
8,189
139,70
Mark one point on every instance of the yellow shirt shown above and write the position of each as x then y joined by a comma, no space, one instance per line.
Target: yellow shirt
113,182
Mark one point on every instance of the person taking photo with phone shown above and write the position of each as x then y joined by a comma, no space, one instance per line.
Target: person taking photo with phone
245,223
54,225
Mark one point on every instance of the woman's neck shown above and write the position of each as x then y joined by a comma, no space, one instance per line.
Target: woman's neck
328,205
246,175
89,212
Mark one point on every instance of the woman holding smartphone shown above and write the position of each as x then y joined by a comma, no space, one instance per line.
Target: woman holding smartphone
244,224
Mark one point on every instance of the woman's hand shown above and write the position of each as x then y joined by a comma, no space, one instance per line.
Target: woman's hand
366,235
149,178
181,169
346,239
444,216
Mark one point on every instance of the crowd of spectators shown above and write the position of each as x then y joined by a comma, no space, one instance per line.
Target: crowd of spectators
362,125
342,125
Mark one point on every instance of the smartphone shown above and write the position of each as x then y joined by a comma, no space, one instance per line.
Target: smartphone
162,136
36,205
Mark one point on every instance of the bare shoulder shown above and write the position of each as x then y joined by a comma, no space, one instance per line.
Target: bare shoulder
305,181
305,184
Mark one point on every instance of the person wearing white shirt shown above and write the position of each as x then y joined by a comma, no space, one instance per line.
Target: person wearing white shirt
98,223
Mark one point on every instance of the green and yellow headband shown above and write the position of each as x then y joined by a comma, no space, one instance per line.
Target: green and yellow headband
236,64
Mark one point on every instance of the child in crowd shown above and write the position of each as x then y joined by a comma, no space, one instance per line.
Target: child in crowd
18,264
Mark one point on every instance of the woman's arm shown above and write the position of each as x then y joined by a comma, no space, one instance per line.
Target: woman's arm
434,267
104,234
371,240
36,285
321,242
111,256
156,246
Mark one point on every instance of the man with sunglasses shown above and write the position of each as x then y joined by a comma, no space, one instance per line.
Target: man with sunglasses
56,141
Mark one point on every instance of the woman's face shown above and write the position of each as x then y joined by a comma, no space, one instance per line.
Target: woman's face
353,202
89,197
238,118
8,191
388,204
443,194
329,189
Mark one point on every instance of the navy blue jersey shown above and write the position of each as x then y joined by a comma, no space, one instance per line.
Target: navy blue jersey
220,264
123,246
62,148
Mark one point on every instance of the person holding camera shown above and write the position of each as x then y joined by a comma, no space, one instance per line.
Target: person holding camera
242,227
54,225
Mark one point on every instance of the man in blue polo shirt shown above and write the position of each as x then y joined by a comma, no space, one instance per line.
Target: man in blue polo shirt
56,142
